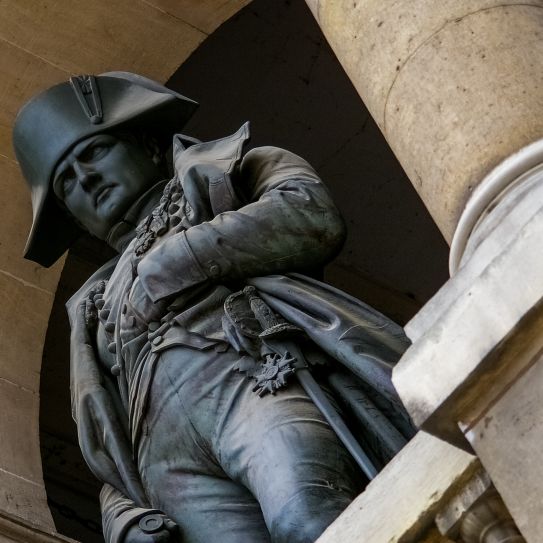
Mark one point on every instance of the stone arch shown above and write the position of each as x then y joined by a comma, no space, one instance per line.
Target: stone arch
42,43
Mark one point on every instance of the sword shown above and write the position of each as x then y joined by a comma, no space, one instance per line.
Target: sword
278,333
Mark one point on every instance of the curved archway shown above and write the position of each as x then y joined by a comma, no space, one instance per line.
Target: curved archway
42,43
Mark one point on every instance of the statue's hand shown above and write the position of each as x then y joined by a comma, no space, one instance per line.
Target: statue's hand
144,308
91,303
153,529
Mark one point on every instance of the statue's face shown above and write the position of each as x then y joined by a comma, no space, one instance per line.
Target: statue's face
101,177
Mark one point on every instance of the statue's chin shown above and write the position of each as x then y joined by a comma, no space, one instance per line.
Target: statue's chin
127,217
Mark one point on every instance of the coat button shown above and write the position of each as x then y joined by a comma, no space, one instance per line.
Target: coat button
110,327
174,221
174,208
157,340
175,196
214,270
99,302
116,370
151,524
104,314
112,347
154,326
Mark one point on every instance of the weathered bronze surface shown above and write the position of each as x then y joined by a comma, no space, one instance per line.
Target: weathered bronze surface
186,347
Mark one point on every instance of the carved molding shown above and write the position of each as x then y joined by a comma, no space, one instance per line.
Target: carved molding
477,514
18,530
489,521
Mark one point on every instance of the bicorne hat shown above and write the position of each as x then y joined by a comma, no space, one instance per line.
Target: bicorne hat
58,118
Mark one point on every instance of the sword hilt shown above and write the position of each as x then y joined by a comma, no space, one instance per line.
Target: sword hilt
273,325
262,311
276,328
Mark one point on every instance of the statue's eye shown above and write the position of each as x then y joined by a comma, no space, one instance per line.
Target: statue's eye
94,152
64,182
68,181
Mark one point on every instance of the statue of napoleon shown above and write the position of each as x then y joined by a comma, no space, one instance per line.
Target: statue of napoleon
215,384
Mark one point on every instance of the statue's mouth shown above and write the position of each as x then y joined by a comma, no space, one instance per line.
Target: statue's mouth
102,194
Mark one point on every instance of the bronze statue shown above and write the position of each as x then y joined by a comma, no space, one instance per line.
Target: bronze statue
191,351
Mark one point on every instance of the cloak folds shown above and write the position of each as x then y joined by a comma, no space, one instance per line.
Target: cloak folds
365,343
235,216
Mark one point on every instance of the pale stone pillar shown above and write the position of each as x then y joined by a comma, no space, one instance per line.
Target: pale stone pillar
456,86
474,373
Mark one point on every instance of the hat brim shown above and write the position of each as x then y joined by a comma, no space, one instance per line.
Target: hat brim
52,231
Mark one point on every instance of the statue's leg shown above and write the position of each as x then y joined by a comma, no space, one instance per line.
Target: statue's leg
177,467
208,437
291,460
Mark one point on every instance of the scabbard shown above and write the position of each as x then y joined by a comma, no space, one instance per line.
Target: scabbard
315,392
277,332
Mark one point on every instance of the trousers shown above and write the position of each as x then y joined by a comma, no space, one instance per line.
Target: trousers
228,466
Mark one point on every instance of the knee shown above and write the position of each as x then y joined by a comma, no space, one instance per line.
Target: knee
293,530
305,516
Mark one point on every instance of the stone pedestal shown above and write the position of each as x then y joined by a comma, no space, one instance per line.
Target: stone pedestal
474,375
17,530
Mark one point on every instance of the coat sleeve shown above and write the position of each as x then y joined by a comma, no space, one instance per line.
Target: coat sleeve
119,513
289,223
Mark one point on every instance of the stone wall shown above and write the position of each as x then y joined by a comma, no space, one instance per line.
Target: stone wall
43,43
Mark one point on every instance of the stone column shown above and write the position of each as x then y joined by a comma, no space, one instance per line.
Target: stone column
456,86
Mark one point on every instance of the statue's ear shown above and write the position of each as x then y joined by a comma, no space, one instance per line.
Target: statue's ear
151,146
150,143
155,151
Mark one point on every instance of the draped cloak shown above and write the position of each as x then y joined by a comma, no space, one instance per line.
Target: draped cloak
217,181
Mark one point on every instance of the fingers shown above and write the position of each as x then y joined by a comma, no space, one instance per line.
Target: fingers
87,310
171,526
80,331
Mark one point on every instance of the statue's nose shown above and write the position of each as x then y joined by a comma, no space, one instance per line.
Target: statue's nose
86,175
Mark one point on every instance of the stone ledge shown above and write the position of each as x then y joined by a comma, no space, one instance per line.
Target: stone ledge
487,335
400,504
15,529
